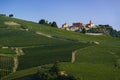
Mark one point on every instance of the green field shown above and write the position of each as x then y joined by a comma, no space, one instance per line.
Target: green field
44,45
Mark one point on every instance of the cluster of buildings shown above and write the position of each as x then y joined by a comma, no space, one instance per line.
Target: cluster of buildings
78,26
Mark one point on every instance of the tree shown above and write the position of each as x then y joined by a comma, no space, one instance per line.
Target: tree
50,23
42,21
46,22
54,24
55,68
2,14
83,31
11,15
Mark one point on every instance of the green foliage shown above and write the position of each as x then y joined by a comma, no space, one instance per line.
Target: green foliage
45,22
42,21
2,14
83,31
114,33
50,23
105,29
11,15
93,30
54,24
55,68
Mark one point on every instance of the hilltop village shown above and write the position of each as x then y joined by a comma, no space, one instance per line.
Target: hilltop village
79,26
91,29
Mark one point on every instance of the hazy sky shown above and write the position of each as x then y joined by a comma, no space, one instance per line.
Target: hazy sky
61,11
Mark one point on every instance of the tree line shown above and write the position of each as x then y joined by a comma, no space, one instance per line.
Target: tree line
10,15
45,22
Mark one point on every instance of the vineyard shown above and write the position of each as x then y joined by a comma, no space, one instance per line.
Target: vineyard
6,61
6,65
47,54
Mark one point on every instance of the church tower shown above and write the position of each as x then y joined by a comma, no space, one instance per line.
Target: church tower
91,24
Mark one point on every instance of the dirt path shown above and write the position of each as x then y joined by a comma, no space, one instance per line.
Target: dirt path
73,56
49,36
15,63
11,23
19,52
46,35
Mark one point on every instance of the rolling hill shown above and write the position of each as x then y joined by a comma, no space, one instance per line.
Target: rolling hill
25,46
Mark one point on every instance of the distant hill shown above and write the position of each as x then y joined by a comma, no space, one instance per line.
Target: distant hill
28,47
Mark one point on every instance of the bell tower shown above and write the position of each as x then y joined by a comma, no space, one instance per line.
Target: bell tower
91,22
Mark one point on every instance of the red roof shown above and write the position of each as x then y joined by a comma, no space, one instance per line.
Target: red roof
78,24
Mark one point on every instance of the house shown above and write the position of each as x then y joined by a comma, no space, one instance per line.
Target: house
65,26
77,26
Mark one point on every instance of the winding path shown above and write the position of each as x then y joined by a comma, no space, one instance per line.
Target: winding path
15,63
73,56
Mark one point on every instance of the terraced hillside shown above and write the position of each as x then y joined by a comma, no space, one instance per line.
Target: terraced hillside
36,45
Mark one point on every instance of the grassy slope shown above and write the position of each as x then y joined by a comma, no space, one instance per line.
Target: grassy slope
89,59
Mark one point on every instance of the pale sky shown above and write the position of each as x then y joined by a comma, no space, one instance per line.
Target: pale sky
61,11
